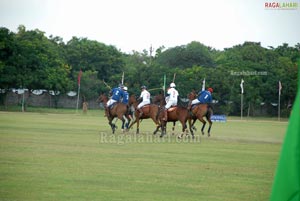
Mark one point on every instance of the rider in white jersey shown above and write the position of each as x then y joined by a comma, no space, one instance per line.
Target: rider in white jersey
145,96
171,99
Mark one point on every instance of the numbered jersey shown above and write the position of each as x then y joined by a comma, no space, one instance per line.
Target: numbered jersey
205,97
173,94
125,97
145,95
117,94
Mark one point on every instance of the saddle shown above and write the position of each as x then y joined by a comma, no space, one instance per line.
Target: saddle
113,105
195,108
146,109
171,109
195,105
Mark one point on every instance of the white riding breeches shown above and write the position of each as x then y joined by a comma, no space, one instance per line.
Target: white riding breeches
195,101
110,102
171,103
143,104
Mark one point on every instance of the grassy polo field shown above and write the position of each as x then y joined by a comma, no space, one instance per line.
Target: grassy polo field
63,155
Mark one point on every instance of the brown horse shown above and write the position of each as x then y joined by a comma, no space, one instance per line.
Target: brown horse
149,111
178,113
159,100
119,110
199,111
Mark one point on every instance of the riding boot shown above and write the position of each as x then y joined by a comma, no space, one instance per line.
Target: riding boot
165,115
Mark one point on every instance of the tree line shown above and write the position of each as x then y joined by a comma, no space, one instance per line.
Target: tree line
29,59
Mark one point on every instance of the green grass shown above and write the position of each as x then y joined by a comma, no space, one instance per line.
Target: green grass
69,156
44,110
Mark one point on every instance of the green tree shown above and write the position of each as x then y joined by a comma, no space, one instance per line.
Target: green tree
30,60
7,51
250,57
90,85
85,54
35,54
186,56
57,78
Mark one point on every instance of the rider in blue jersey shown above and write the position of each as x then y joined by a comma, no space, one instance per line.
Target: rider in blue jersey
125,101
116,96
204,97
125,98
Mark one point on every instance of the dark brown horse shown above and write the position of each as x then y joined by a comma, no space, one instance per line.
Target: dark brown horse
160,100
199,111
119,110
149,111
178,113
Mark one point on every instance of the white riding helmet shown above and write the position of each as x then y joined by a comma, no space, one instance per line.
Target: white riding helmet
172,85
125,88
